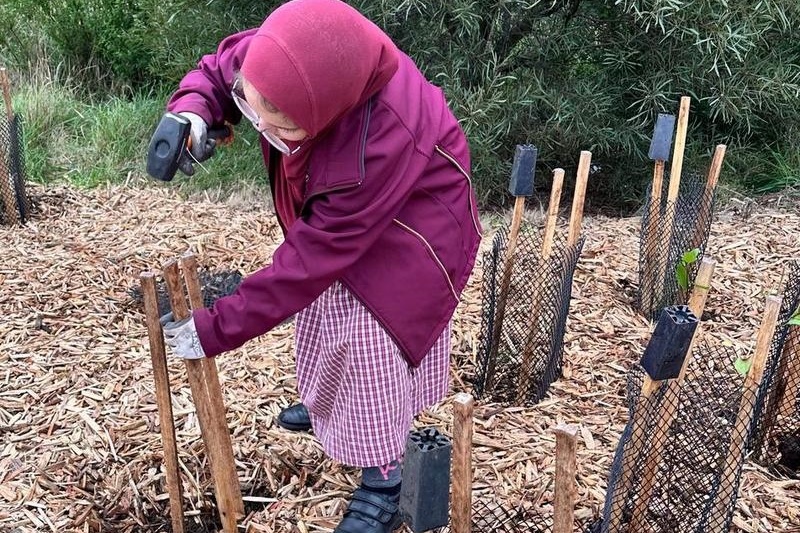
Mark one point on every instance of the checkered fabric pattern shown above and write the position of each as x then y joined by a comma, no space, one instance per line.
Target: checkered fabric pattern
361,394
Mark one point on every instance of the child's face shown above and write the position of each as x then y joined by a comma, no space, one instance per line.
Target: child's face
270,119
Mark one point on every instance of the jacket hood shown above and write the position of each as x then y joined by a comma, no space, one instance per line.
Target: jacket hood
315,60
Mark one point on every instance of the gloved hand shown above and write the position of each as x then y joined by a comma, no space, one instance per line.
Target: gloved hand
182,337
201,147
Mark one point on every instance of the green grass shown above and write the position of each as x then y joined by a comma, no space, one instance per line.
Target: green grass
91,144
88,144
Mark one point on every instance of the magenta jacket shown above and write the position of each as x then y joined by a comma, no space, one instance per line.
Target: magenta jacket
389,211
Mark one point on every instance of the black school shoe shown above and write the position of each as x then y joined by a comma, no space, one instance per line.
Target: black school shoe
295,418
370,512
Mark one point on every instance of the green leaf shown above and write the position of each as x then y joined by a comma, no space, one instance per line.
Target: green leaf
690,256
742,366
682,275
795,320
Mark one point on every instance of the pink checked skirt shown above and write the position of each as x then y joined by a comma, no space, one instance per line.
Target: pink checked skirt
360,392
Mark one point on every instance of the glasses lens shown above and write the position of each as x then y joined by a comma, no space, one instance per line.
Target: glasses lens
251,115
276,142
248,112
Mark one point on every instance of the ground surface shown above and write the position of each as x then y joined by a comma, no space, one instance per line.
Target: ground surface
81,449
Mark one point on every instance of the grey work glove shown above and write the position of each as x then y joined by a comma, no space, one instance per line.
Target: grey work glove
181,337
200,146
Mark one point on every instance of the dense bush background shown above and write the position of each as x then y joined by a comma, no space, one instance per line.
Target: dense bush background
563,75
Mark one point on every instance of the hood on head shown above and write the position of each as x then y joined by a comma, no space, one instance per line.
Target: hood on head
315,60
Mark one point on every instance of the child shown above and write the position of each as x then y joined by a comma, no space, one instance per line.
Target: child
369,172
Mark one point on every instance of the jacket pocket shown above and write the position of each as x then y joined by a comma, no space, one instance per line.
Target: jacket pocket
431,252
472,207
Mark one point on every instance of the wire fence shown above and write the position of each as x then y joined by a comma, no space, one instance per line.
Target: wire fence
526,358
14,202
662,245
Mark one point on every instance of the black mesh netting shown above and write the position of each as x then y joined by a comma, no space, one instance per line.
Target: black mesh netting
677,466
496,516
776,436
658,283
213,285
14,202
528,357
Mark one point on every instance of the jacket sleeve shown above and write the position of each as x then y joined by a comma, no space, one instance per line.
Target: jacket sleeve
206,90
340,228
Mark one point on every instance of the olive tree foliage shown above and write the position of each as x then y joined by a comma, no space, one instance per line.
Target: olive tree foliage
592,75
564,75
120,45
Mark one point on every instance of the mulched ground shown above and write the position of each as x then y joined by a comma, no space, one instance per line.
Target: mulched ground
81,449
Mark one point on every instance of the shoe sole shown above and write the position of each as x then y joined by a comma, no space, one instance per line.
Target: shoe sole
293,427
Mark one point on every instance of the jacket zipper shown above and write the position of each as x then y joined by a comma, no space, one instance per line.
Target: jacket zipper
433,254
469,180
361,164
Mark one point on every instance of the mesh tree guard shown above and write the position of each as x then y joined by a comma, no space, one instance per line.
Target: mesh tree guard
693,213
691,476
529,355
14,203
490,515
776,435
214,285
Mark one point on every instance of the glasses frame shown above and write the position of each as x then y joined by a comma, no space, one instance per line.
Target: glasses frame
250,114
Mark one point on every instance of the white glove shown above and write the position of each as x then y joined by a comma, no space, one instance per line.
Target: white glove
181,337
201,147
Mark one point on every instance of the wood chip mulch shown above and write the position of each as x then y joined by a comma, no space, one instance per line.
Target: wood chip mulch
80,448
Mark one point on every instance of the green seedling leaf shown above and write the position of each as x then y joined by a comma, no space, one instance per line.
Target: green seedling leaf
742,366
691,256
795,320
682,275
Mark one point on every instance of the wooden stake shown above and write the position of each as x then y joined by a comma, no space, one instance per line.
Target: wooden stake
565,490
200,395
650,238
505,282
579,197
790,372
643,412
674,187
163,400
223,465
726,491
7,195
538,289
697,303
7,94
704,215
461,513
17,181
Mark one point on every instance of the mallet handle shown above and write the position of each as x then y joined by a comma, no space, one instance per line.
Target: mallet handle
163,400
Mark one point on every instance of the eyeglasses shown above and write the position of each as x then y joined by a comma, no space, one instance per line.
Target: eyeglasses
250,114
